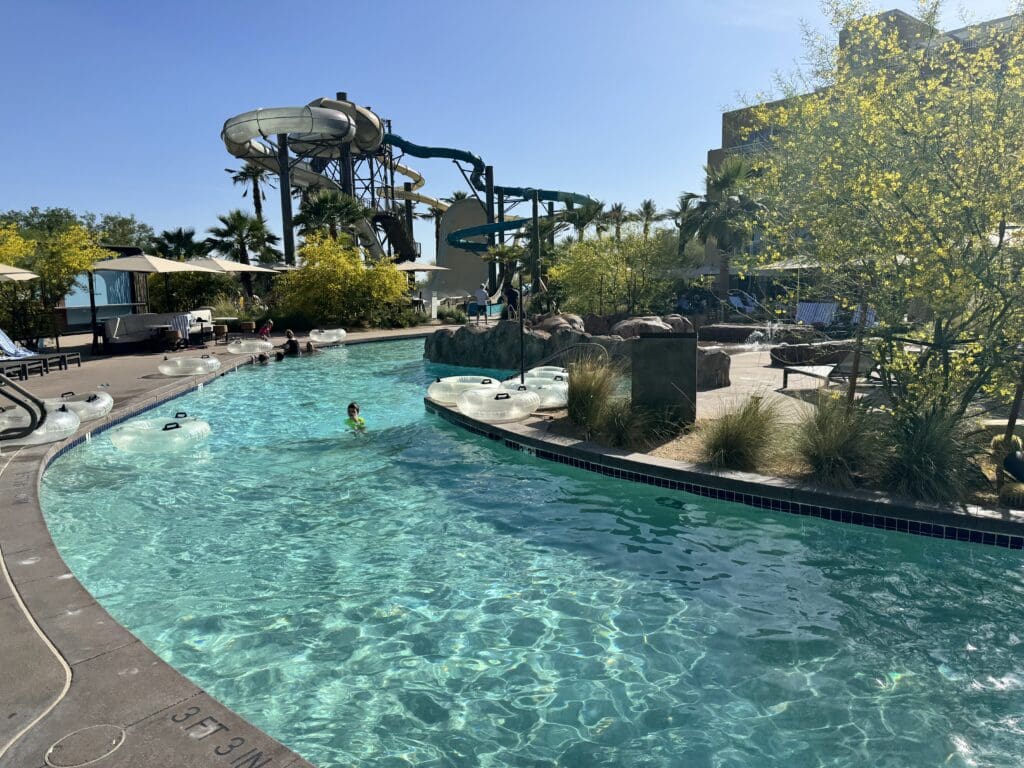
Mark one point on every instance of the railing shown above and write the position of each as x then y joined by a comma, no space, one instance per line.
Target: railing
25,399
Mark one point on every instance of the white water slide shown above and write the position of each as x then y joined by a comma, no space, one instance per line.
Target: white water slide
321,129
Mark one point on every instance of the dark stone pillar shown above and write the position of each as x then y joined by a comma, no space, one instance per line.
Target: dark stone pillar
665,373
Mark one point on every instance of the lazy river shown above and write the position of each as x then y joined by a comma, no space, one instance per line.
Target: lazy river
421,596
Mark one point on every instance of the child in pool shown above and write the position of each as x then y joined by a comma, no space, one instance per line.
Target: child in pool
354,421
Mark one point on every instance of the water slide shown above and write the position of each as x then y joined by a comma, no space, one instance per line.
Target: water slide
461,238
317,130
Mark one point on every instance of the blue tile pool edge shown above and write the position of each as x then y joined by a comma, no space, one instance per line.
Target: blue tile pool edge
992,528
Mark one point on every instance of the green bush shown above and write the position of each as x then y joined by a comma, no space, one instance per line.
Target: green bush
399,316
624,425
838,441
452,315
932,455
738,439
591,387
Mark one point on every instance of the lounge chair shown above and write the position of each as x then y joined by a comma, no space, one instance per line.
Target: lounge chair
11,352
840,372
22,368
816,313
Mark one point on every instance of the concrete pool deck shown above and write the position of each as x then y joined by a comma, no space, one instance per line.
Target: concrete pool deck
75,687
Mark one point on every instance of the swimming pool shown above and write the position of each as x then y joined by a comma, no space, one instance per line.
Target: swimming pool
421,596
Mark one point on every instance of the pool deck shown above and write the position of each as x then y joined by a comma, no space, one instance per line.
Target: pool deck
75,687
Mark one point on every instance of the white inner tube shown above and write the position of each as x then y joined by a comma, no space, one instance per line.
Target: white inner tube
189,366
497,407
537,375
158,435
60,424
548,369
250,347
329,336
89,405
446,390
553,394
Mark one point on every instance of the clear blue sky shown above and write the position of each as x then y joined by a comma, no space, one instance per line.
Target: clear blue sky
117,106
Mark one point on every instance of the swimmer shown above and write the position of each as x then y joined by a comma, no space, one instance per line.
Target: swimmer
279,356
291,344
355,422
262,359
310,349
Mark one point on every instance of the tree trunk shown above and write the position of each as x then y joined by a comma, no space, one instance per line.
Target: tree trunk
257,201
851,387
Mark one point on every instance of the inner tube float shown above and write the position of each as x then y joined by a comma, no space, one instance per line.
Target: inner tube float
189,366
498,407
548,369
446,390
329,336
158,435
60,423
550,374
553,394
250,347
89,405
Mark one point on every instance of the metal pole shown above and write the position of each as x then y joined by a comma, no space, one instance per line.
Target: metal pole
92,313
492,266
551,217
407,186
522,331
286,199
536,241
501,235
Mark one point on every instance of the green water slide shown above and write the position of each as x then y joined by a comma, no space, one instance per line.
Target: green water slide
460,238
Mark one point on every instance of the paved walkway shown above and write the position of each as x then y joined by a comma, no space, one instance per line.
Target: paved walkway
75,686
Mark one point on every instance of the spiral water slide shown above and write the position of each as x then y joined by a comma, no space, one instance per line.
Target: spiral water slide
319,131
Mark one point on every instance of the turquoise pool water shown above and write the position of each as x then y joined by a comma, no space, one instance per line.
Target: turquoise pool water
420,596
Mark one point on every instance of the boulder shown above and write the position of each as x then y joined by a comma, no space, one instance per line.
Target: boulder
678,323
632,327
712,368
553,323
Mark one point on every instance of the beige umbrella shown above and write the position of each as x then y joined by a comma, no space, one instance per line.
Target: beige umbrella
16,277
415,266
7,269
227,265
151,264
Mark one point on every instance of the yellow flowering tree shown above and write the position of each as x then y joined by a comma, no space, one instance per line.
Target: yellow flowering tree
897,163
13,247
605,276
333,286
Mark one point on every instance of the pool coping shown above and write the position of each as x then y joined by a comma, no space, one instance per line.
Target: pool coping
970,524
111,679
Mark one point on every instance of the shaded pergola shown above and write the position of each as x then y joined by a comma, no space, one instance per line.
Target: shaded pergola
144,264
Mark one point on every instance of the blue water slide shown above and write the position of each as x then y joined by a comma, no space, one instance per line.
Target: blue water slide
460,238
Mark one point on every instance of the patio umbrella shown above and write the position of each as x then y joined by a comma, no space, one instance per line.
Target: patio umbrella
415,266
145,264
227,265
7,269
17,277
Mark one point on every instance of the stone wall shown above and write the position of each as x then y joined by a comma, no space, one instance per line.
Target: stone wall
497,346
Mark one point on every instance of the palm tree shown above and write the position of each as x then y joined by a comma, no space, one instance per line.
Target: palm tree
255,178
583,216
458,194
647,214
331,210
240,237
723,215
179,244
617,215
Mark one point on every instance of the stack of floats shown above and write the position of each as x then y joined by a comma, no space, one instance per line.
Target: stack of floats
64,415
487,399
